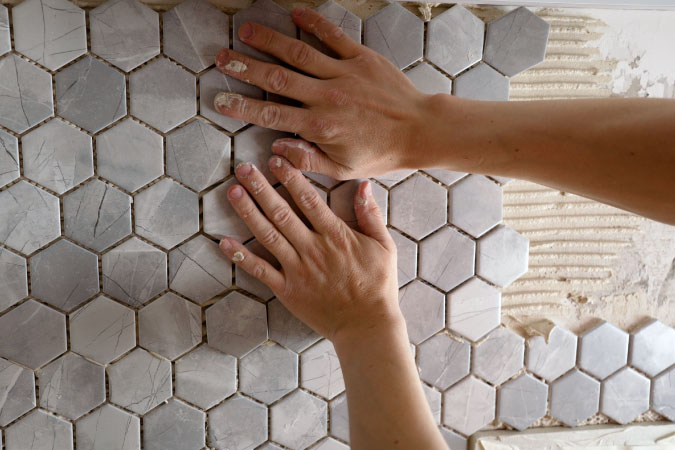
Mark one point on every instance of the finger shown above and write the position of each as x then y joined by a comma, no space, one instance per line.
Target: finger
327,32
307,157
262,228
270,77
252,264
369,216
292,51
277,210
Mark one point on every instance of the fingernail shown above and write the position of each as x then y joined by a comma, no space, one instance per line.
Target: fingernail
225,244
275,162
244,169
246,31
236,192
226,100
298,12
279,147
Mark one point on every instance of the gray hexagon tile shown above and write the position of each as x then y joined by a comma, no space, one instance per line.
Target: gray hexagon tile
13,278
625,395
172,341
516,41
522,401
407,257
60,37
603,350
199,270
17,391
499,357
339,418
162,94
447,177
64,275
482,83
254,145
342,201
653,348
129,155
32,334
134,272
320,371
429,80
423,308
194,32
91,94
42,430
198,155
25,94
102,330
174,426
139,381
269,446
454,440
266,13
268,373
238,424
288,330
9,158
349,22
551,357
663,394
574,398
455,40
502,256
475,205
5,42
236,324
447,258
248,282
124,32
418,205
392,178
330,444
470,405
434,400
395,33
108,428
97,215
443,361
166,213
220,219
71,386
474,309
298,420
205,377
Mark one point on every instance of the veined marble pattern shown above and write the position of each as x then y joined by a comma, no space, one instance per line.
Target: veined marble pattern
5,41
9,158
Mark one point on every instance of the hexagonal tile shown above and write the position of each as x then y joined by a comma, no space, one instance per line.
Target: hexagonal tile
248,282
552,357
434,400
429,80
220,219
29,217
603,350
61,38
418,206
663,394
268,373
9,158
32,334
423,308
162,94
625,395
199,270
266,13
5,42
475,205
454,440
64,275
134,272
184,333
17,391
320,370
407,257
339,418
25,94
447,177
205,377
91,94
471,405
443,361
124,32
237,424
139,381
499,357
395,33
330,444
522,401
502,256
174,426
298,420
97,215
653,349
342,201
574,398
13,279
455,40
392,178
197,154
102,330
71,386
103,428
335,13
236,324
288,330
254,145
516,41
130,155
447,258
194,32
482,83
474,309
42,430
166,213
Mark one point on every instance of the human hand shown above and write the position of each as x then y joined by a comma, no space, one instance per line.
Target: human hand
337,280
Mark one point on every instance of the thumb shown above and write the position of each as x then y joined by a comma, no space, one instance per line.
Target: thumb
369,216
306,157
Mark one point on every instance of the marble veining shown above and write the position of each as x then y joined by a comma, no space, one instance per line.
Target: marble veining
522,401
9,158
174,426
17,391
473,405
418,206
443,360
205,377
447,258
268,373
499,357
42,430
455,40
109,428
298,420
5,38
397,34
236,324
320,370
13,278
423,308
237,424
287,329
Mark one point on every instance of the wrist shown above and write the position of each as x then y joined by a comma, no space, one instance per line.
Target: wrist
388,327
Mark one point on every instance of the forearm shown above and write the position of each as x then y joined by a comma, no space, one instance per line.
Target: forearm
387,407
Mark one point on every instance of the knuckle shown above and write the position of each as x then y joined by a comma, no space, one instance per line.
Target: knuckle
268,39
247,211
278,79
269,238
335,96
322,129
338,233
270,115
310,199
300,54
281,215
259,271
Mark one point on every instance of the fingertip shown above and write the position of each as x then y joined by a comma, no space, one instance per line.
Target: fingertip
299,11
275,162
246,31
225,244
235,192
363,194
